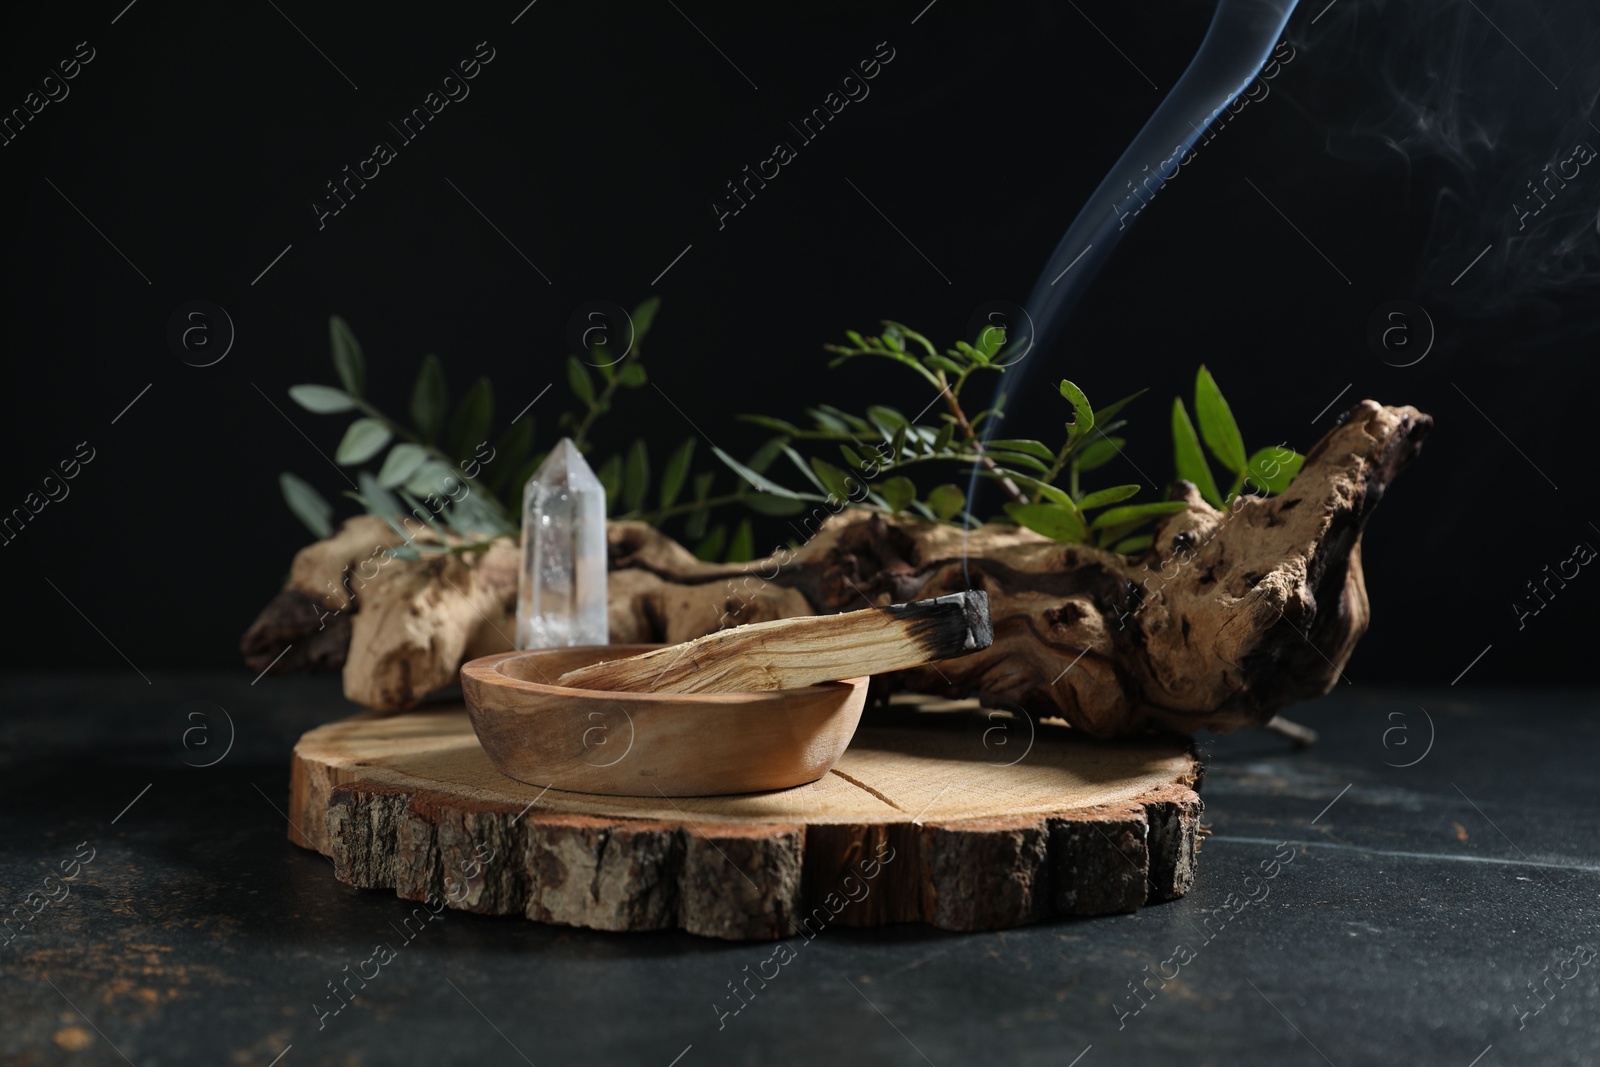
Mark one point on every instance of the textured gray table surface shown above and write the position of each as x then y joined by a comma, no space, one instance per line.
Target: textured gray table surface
1445,912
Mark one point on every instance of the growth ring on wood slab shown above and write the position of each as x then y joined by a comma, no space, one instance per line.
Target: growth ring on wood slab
922,820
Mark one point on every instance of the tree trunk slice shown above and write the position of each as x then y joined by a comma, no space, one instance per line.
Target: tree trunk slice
922,820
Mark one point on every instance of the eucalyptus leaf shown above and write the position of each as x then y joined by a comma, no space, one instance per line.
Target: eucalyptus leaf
635,476
757,481
307,504
430,398
1190,460
743,546
851,456
897,446
676,472
1133,512
946,501
762,457
364,439
1130,546
1056,521
400,464
944,363
321,399
432,477
899,491
376,497
347,359
1102,497
1044,489
633,375
1016,459
946,435
1217,426
1110,411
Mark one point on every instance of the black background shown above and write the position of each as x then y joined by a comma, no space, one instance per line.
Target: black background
596,141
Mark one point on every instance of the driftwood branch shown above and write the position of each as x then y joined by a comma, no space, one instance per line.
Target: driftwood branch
1228,618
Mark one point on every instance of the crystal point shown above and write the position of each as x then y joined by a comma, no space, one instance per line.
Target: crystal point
561,599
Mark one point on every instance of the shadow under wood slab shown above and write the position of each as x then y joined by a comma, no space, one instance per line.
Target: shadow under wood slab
916,823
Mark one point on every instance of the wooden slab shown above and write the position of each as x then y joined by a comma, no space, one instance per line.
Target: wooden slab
925,818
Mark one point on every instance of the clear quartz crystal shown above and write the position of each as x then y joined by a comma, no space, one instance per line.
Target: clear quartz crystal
562,596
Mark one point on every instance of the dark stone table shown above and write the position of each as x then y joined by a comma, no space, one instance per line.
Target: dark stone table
1411,918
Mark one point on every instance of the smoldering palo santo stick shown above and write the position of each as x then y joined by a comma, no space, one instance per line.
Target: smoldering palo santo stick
789,653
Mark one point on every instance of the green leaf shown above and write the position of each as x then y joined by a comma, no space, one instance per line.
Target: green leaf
771,423
1099,452
633,375
757,481
1037,449
851,456
710,549
1110,411
307,504
828,421
644,316
1221,433
1272,469
990,340
364,439
610,477
470,425
429,478
702,485
400,464
942,442
1057,522
347,356
694,526
897,445
888,420
1044,489
377,499
1015,459
762,457
578,379
946,501
833,479
321,399
743,546
635,476
430,398
767,504
1083,415
1191,462
1100,498
1132,512
944,363
899,492
676,472
1130,546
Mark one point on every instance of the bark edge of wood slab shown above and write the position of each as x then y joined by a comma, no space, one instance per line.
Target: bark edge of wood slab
1080,828
800,651
652,743
1227,619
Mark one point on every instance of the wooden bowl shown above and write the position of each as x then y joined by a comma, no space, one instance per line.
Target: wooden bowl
650,744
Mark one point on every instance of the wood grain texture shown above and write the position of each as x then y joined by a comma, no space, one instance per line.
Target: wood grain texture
1229,617
652,743
921,820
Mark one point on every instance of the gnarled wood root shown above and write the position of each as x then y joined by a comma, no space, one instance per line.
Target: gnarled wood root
1229,617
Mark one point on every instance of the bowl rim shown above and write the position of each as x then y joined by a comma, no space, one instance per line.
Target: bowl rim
485,670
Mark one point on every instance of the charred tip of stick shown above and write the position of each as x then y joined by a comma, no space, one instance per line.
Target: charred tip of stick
1301,736
950,625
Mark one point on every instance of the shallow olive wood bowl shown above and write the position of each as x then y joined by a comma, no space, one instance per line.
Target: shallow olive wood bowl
652,744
